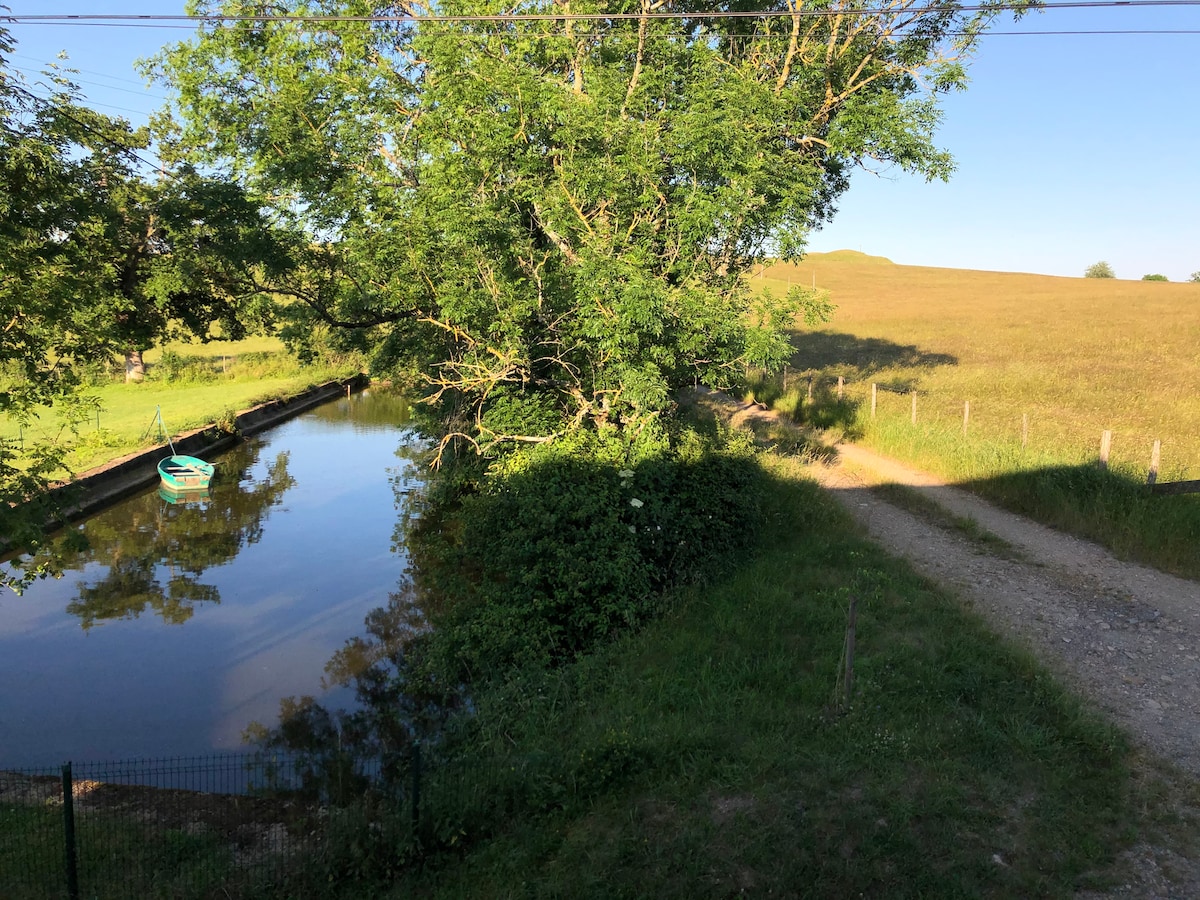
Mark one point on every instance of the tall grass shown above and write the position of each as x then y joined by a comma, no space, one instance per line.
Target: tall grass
1071,357
1063,487
1077,355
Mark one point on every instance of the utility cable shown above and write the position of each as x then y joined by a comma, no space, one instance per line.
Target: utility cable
218,18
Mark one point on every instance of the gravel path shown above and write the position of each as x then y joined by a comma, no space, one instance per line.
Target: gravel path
1125,636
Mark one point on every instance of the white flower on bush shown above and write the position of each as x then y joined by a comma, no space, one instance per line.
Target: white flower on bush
636,503
625,473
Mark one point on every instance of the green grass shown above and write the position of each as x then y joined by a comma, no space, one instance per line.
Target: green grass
1073,356
1066,490
708,756
206,383
117,858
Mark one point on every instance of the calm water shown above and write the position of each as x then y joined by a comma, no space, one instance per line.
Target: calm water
183,623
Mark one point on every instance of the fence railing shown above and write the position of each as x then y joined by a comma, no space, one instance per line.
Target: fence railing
224,826
836,388
259,824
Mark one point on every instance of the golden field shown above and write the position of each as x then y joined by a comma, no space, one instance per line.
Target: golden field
1076,355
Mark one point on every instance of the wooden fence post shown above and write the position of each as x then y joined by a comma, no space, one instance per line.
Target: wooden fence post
874,391
966,415
914,407
1105,447
810,382
1155,459
851,627
71,854
841,387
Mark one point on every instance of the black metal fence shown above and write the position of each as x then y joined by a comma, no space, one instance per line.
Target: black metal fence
223,826
267,825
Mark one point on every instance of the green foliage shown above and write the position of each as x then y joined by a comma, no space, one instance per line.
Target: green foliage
564,209
175,367
562,546
1099,270
1155,278
97,260
1194,278
701,754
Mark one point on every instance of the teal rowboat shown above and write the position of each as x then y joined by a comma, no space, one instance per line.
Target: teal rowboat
185,473
181,473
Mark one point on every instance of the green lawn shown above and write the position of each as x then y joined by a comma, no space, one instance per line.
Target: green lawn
709,755
208,382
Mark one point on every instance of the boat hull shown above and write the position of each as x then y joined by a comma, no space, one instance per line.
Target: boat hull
184,473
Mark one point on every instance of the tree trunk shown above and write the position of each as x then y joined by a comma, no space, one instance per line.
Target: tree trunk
135,369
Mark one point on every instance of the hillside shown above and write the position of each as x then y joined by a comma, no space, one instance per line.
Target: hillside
1076,355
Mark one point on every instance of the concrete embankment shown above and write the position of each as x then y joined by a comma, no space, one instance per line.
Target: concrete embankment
100,487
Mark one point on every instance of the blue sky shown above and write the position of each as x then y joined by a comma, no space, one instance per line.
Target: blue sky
1070,148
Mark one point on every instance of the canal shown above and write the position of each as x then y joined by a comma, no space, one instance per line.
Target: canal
183,623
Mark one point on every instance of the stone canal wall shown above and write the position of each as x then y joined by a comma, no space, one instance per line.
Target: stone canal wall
100,487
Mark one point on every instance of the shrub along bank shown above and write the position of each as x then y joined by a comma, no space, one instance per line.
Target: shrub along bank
664,717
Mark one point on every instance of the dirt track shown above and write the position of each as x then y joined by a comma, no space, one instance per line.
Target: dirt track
1125,636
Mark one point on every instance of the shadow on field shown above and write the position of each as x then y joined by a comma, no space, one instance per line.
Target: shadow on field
858,357
597,694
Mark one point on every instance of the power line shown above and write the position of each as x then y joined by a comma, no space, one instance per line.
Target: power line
70,68
89,18
107,87
66,114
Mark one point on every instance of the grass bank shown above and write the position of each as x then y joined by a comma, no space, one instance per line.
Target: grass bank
195,384
709,755
709,752
1047,364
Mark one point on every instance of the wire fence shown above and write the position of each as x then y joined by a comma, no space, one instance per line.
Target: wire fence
263,824
826,399
223,826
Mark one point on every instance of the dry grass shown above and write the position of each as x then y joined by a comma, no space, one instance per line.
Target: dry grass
1076,355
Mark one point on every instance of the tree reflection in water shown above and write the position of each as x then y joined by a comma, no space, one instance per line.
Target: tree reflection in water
157,551
397,700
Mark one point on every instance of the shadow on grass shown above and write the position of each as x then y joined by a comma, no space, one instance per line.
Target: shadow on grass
715,703
858,357
1112,508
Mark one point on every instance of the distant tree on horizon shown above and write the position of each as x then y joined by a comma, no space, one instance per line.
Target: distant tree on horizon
1155,277
1195,278
1099,270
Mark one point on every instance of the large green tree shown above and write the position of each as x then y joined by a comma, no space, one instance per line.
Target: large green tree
182,257
46,196
552,219
96,259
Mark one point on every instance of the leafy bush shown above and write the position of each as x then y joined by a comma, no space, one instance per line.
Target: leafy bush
1099,270
564,544
1155,278
175,367
1194,278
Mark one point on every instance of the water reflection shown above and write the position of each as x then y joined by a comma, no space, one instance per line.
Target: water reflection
152,551
396,699
197,617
